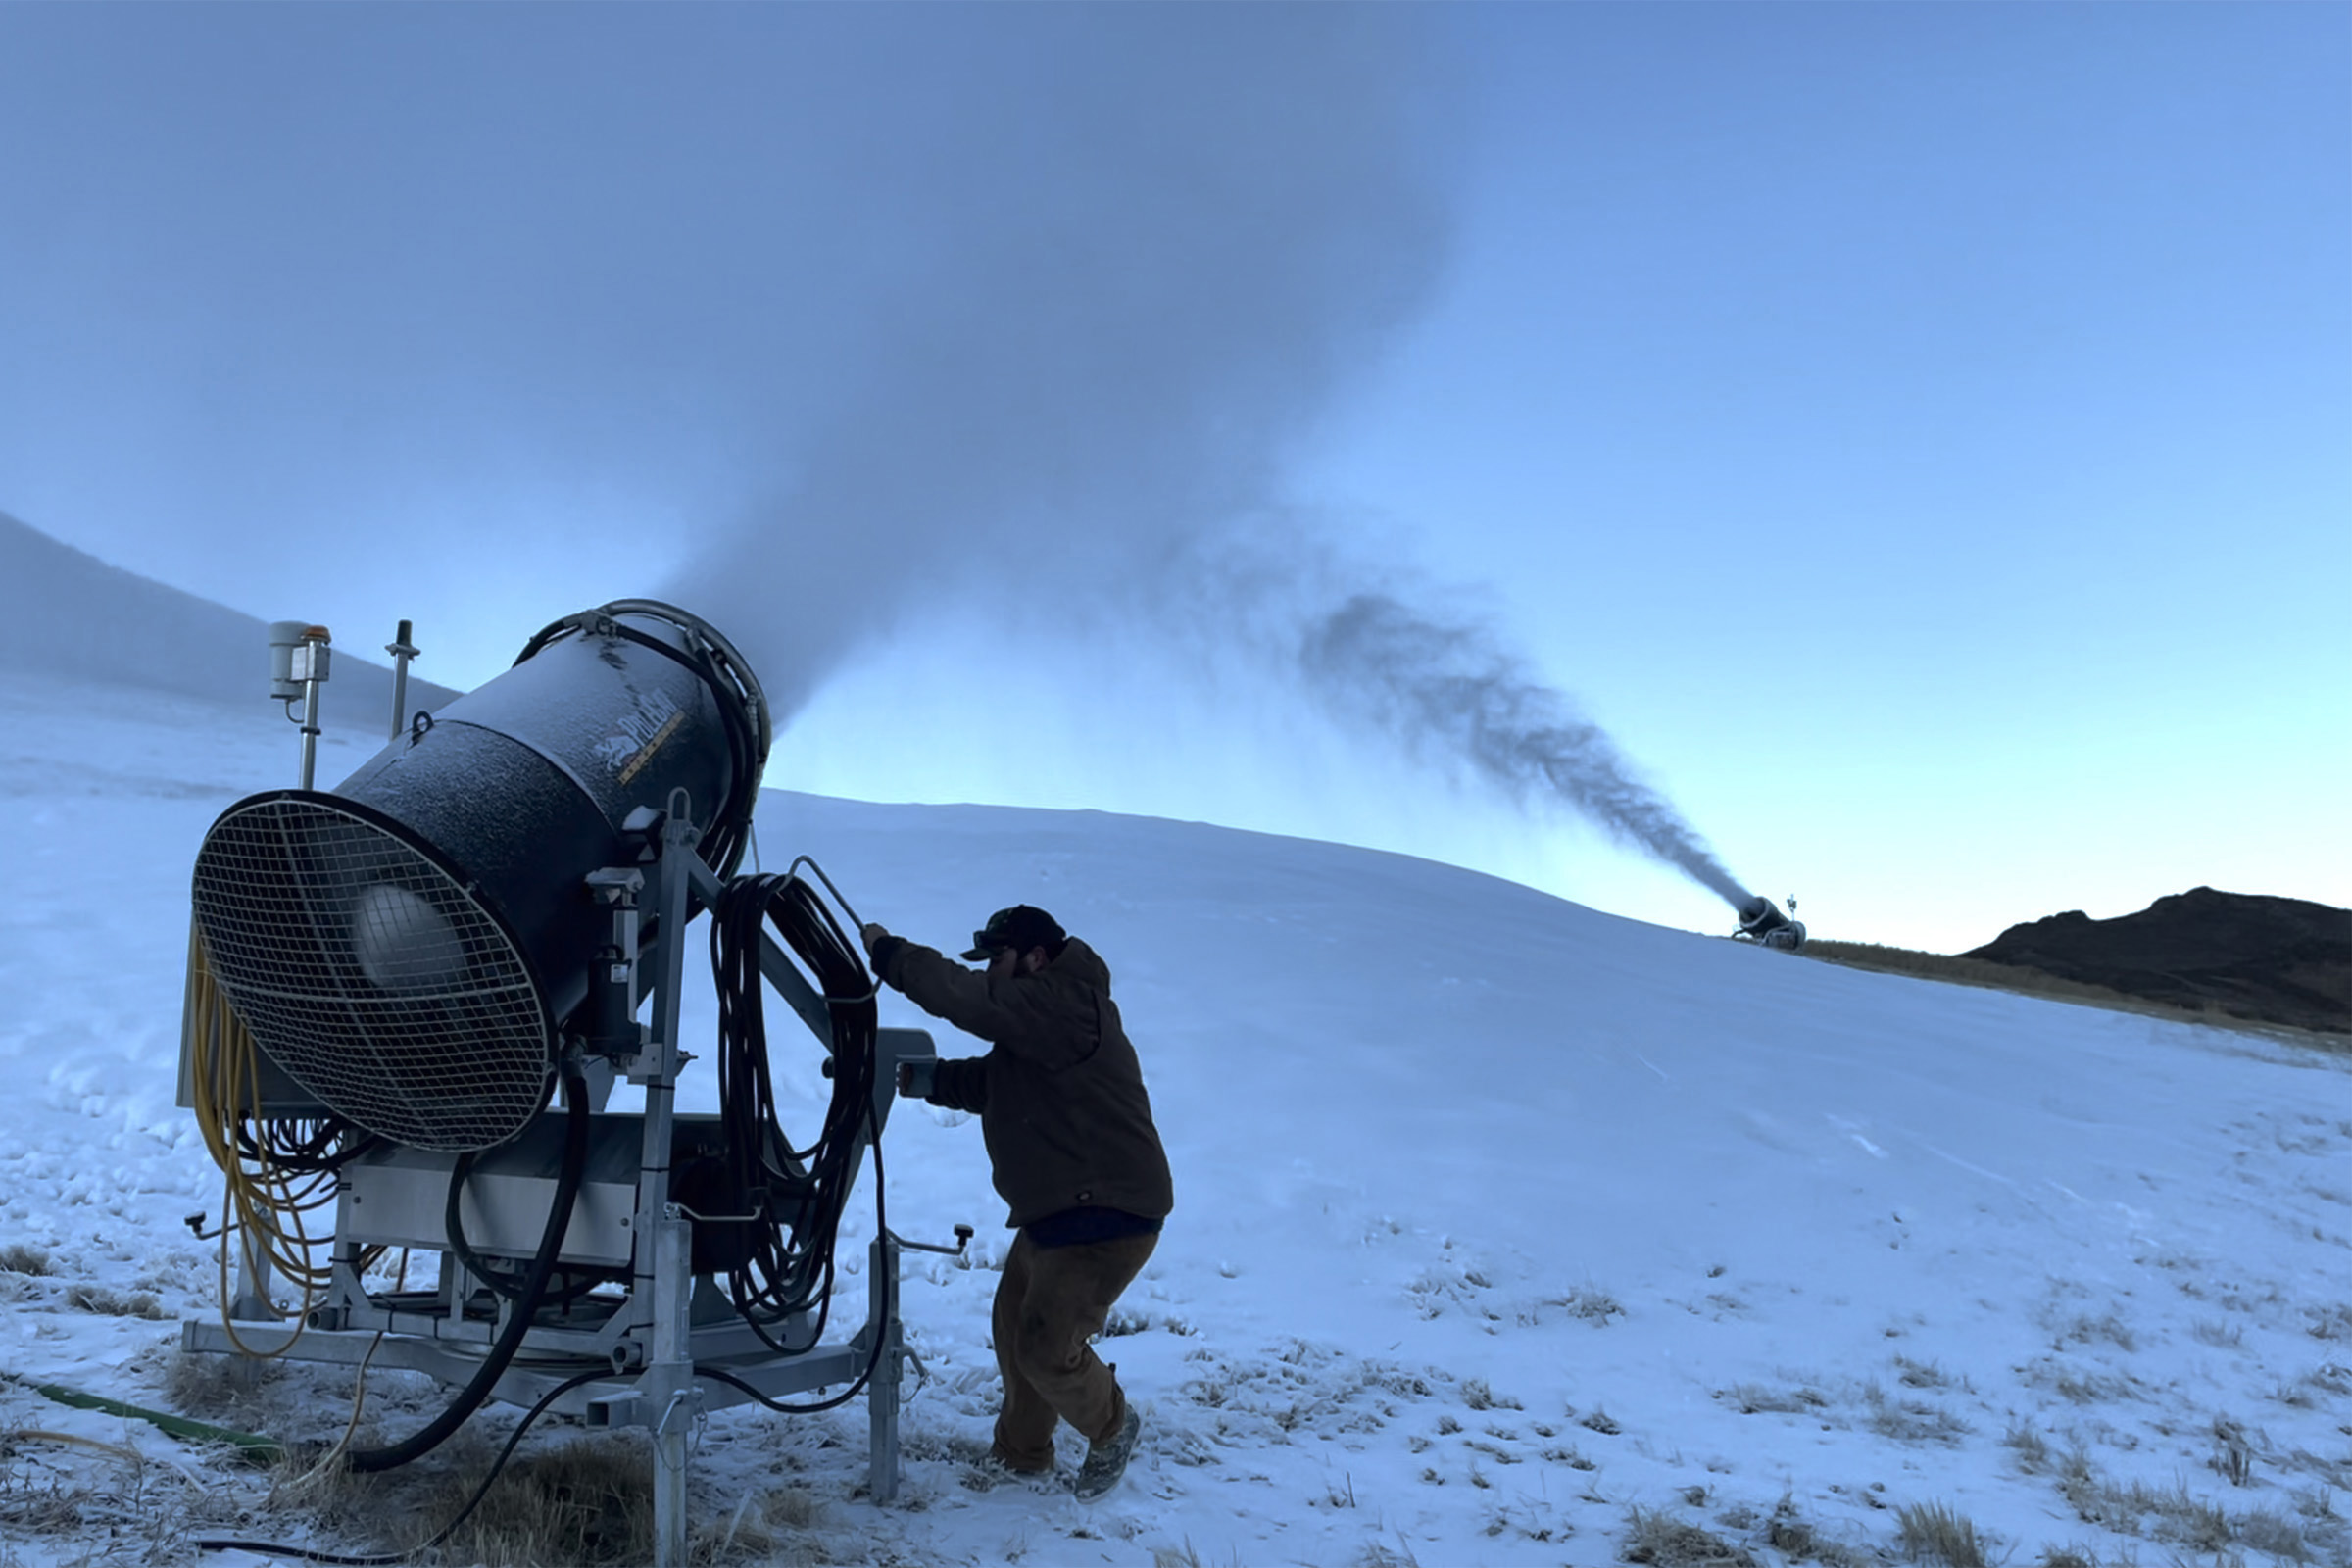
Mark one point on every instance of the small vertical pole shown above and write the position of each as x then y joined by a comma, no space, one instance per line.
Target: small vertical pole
401,654
882,1390
309,734
309,668
669,1384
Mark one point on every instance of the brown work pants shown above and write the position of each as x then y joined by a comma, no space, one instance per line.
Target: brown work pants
1051,1301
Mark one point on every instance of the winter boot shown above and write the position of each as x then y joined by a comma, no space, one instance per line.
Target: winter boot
1106,1461
991,1471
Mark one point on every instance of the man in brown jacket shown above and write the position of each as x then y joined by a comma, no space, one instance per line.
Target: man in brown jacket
1074,1155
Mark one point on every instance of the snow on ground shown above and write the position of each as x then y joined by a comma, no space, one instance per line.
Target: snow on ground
1499,1218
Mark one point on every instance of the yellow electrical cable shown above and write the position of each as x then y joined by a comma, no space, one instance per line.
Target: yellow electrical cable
260,1199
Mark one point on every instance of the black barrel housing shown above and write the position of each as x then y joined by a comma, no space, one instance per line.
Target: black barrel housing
408,945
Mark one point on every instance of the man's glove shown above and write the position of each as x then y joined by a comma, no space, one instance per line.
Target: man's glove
917,1078
880,946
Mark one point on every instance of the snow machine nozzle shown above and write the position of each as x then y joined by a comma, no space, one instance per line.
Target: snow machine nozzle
1761,922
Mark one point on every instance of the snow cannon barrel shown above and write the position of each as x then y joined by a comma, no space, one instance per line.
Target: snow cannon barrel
410,945
1761,922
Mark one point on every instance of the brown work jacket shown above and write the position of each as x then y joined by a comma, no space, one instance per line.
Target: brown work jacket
1060,1094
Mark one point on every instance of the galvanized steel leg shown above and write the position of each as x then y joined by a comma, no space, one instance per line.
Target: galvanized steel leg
882,1390
669,1382
253,1304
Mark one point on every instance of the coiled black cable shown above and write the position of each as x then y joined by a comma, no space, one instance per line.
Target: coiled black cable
873,1359
801,1193
305,1145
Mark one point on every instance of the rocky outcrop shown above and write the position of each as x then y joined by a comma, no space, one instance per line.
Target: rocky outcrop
2281,961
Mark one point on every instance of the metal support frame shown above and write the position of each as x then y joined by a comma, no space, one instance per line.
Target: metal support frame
648,1337
669,1382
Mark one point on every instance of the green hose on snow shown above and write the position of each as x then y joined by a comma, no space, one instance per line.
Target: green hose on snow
253,1448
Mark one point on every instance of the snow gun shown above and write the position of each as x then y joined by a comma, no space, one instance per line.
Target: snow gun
410,995
1762,922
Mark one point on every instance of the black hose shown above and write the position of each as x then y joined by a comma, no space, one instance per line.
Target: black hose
494,1279
790,1268
873,1358
518,1320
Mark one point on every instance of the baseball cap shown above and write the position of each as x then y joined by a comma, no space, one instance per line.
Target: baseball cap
1021,927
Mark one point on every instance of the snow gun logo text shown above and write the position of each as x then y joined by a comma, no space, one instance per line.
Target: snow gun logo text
642,733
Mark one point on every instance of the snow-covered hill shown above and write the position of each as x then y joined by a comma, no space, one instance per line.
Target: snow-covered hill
72,617
1499,1218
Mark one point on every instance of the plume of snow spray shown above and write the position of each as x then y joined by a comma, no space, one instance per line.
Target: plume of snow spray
1135,258
1112,264
1018,311
1452,688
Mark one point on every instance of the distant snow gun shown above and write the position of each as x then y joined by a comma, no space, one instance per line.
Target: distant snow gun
1762,922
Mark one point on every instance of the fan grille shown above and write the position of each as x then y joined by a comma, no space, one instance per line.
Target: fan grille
372,975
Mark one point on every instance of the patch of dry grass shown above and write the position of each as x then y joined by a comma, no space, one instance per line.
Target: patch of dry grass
89,1501
1755,1398
2067,1557
589,1501
113,1303
1793,1538
1663,1541
1932,1533
2026,982
584,1503
2181,1519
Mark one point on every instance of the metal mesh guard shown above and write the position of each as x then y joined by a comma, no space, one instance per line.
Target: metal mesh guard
371,975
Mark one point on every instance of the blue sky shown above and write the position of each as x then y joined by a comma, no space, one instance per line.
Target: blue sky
1921,433
1920,436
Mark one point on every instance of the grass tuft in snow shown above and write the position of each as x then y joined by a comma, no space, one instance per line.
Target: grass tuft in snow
1479,1397
214,1387
1933,1533
2331,1377
589,1501
2178,1517
1586,1304
36,1498
2033,1451
1923,1374
2330,1322
1911,1420
86,1502
2234,1456
18,1258
1789,1535
1663,1541
111,1303
2106,1328
1754,1399
2080,1388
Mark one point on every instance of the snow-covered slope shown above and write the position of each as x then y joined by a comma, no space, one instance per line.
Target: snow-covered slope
1499,1218
73,617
